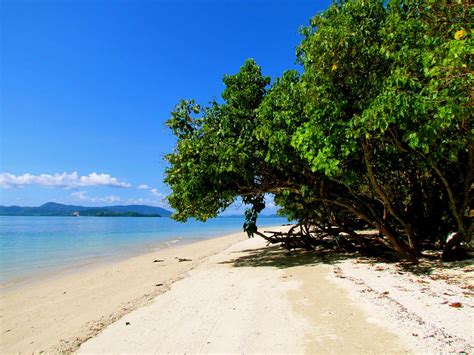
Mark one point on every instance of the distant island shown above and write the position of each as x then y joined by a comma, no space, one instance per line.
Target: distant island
58,209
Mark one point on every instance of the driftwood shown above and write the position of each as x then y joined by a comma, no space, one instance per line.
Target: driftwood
309,237
341,238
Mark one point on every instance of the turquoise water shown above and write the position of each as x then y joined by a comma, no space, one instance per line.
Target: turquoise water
35,246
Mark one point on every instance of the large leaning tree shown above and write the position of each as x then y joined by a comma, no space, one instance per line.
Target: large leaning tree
375,131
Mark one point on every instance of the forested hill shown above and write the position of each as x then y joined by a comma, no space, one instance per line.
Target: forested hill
57,209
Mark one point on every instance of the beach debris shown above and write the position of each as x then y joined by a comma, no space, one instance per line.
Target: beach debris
182,259
127,323
159,285
456,305
338,272
158,260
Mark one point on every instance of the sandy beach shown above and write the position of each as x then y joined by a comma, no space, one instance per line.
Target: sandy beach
238,295
60,313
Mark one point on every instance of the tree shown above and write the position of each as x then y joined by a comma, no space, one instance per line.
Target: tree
377,129
216,154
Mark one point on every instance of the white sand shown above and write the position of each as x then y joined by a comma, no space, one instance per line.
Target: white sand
217,308
416,307
247,299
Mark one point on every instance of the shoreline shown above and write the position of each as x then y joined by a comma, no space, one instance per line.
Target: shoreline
84,265
235,294
28,268
57,314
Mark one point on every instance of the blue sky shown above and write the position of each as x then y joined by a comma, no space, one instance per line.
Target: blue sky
86,86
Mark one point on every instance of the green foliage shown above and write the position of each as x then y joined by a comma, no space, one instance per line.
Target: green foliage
216,152
378,128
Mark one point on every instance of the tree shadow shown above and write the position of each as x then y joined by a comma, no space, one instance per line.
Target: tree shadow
429,265
278,257
430,262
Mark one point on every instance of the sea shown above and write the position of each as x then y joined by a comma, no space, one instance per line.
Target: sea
32,248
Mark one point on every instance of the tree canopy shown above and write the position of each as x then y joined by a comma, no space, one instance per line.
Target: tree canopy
376,131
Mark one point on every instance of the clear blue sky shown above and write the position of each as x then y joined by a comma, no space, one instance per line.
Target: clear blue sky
86,86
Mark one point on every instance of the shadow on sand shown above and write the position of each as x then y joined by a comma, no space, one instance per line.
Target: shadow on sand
278,257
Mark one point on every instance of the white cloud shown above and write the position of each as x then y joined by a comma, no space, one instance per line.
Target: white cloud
111,198
64,180
82,195
269,202
143,187
153,191
156,193
147,201
157,198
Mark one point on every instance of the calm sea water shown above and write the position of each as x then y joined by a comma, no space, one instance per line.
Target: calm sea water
35,246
